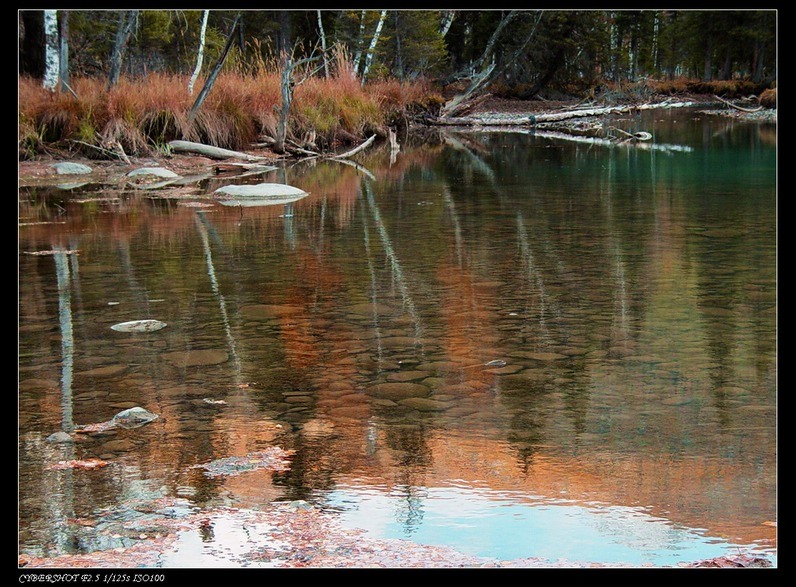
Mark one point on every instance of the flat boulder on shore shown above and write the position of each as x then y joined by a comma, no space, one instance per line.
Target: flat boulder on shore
69,168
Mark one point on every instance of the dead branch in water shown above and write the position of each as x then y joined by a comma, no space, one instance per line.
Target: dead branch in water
741,108
355,150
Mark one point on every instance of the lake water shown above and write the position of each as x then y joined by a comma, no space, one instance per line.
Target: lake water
509,343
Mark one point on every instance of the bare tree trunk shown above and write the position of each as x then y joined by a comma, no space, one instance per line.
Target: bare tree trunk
51,52
656,27
447,21
614,47
211,79
471,97
287,98
323,46
399,62
706,75
360,41
487,54
757,64
372,47
127,20
200,53
63,47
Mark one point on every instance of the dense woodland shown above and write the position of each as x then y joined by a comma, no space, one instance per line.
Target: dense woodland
522,54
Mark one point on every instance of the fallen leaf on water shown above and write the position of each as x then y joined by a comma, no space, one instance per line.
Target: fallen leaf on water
214,401
88,464
769,523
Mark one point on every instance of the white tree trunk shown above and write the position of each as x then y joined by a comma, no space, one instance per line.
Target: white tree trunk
372,47
447,21
323,46
360,40
200,53
63,48
52,62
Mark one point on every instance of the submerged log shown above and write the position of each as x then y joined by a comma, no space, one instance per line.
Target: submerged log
211,151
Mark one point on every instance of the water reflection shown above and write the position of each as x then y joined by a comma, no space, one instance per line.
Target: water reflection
545,317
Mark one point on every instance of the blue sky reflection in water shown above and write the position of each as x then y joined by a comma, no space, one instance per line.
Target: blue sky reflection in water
537,318
508,525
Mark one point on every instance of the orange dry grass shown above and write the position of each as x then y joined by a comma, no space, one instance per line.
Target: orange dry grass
143,113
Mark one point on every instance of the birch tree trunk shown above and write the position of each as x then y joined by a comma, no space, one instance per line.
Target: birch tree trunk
200,53
614,47
372,47
323,46
63,48
656,26
360,41
127,20
211,79
447,21
51,50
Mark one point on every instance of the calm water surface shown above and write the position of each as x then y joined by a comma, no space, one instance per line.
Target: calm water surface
511,344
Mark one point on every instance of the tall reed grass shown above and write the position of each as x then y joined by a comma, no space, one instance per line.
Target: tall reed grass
144,114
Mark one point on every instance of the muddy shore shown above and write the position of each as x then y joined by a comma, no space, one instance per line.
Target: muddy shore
41,171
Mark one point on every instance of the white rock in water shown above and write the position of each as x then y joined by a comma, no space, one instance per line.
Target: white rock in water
133,417
139,326
262,190
68,168
156,171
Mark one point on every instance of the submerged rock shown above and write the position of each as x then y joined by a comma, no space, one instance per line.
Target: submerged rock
423,404
106,371
197,358
139,326
153,172
398,391
60,436
272,458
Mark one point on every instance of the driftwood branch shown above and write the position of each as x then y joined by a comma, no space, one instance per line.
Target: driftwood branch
355,150
742,109
210,151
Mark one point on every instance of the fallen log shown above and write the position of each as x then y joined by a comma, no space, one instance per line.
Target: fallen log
211,151
532,119
741,108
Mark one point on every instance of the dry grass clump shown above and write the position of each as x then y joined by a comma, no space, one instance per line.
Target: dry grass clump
142,115
768,98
